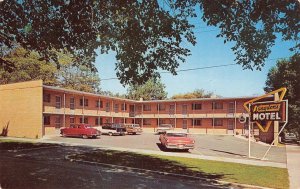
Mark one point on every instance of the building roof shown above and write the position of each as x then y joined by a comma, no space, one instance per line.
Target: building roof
144,101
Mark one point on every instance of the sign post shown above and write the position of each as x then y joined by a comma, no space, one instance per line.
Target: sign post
264,113
276,137
249,135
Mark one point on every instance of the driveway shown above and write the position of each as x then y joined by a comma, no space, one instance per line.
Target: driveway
209,145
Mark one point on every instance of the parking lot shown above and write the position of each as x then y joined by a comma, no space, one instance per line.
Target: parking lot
209,145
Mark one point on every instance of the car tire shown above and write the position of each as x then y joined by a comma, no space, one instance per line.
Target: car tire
85,136
63,134
134,133
110,134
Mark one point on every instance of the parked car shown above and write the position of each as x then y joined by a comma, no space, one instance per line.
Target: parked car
176,140
133,128
81,130
113,129
162,128
289,137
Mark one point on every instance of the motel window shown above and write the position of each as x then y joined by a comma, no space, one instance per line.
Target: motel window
231,107
98,121
46,120
147,121
172,109
72,103
217,105
116,108
139,108
124,107
147,107
196,106
218,122
197,122
86,102
58,102
161,107
107,107
99,103
72,121
46,97
85,120
57,122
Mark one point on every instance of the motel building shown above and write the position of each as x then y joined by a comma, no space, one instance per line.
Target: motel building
33,110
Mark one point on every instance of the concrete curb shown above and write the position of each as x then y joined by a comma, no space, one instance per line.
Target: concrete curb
220,183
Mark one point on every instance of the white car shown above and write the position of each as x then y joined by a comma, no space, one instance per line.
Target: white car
163,128
112,129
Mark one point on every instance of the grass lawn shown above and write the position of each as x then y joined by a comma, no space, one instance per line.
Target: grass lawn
238,173
204,169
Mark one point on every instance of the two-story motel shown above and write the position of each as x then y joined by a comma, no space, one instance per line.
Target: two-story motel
33,110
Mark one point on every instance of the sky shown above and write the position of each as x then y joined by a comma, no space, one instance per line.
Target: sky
229,81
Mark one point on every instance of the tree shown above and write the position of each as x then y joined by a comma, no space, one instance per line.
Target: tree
286,73
197,93
29,66
146,35
151,90
79,78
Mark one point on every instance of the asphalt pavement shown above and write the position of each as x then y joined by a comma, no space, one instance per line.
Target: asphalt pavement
206,145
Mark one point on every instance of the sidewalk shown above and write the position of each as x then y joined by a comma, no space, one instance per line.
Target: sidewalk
293,165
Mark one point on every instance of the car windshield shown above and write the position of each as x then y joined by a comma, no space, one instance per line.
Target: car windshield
118,125
176,134
291,134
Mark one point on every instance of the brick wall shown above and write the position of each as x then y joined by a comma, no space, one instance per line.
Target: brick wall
21,108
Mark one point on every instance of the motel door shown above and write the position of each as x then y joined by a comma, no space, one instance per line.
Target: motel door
230,126
184,124
184,109
131,111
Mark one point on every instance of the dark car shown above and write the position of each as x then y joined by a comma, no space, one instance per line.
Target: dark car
81,130
289,137
113,129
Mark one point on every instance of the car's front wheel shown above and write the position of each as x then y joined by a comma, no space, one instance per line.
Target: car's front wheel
85,136
110,134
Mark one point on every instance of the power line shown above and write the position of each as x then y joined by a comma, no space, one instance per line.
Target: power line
199,68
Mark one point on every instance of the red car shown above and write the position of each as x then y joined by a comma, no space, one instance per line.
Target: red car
176,140
81,130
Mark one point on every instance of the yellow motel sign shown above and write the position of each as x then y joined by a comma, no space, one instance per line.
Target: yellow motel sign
264,113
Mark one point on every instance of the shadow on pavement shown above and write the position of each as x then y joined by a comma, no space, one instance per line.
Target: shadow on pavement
231,153
133,160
